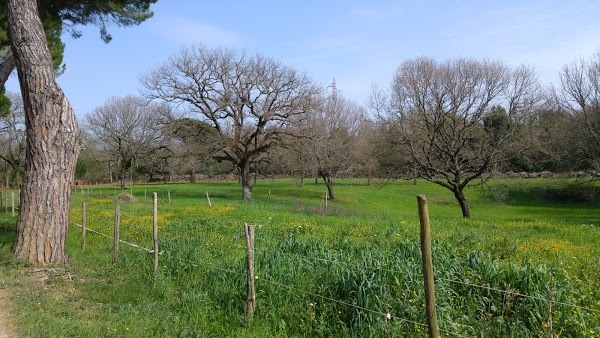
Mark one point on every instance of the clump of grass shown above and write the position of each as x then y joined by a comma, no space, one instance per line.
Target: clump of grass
125,197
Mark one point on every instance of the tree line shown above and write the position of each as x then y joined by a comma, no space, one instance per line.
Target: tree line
211,111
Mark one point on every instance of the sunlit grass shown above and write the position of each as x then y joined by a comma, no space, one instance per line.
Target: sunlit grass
369,236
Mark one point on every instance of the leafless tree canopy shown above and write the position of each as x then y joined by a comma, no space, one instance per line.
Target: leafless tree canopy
455,118
12,140
250,100
579,96
128,129
335,128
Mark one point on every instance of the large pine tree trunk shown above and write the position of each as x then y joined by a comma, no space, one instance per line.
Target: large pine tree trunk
53,142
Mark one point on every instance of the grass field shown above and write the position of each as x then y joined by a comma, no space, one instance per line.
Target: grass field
331,272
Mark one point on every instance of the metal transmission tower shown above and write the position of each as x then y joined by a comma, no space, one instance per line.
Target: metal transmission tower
334,89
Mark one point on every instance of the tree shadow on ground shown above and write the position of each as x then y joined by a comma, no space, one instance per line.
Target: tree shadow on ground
520,195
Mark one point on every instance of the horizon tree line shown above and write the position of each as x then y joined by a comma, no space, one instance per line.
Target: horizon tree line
218,111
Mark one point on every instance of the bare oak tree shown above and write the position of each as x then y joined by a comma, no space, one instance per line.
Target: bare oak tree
579,96
128,129
251,101
334,127
190,143
53,141
449,116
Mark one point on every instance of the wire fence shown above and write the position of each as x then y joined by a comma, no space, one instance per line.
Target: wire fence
411,276
386,315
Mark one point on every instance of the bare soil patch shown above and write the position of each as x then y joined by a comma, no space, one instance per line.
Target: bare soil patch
6,328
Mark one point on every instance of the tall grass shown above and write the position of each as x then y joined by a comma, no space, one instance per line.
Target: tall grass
331,272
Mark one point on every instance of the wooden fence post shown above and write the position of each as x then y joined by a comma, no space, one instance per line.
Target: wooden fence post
251,294
83,221
267,200
116,235
12,197
432,323
208,199
155,232
169,196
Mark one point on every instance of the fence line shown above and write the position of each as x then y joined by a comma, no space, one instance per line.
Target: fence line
385,315
419,275
111,237
429,282
281,285
325,260
372,268
519,294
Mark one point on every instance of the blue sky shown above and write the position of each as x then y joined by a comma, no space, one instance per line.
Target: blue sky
360,43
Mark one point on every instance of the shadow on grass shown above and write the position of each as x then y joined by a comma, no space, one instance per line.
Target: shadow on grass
540,194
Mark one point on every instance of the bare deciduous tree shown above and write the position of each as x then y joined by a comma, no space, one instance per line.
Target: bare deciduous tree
191,142
12,140
334,130
251,101
579,96
443,113
128,129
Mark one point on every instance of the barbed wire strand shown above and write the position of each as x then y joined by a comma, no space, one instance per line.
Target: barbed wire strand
439,278
374,268
211,265
519,294
111,237
385,315
412,274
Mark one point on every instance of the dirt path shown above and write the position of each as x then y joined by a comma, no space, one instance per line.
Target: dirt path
6,330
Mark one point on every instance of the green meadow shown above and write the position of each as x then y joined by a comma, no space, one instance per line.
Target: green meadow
527,264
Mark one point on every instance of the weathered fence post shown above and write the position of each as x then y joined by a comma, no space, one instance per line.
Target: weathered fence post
83,221
145,194
169,196
208,199
326,197
267,200
432,323
155,232
251,294
12,197
116,235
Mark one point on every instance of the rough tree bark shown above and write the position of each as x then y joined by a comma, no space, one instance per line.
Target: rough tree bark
53,142
462,201
244,168
329,184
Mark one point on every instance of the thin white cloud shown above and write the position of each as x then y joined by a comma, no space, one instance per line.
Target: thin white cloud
182,30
